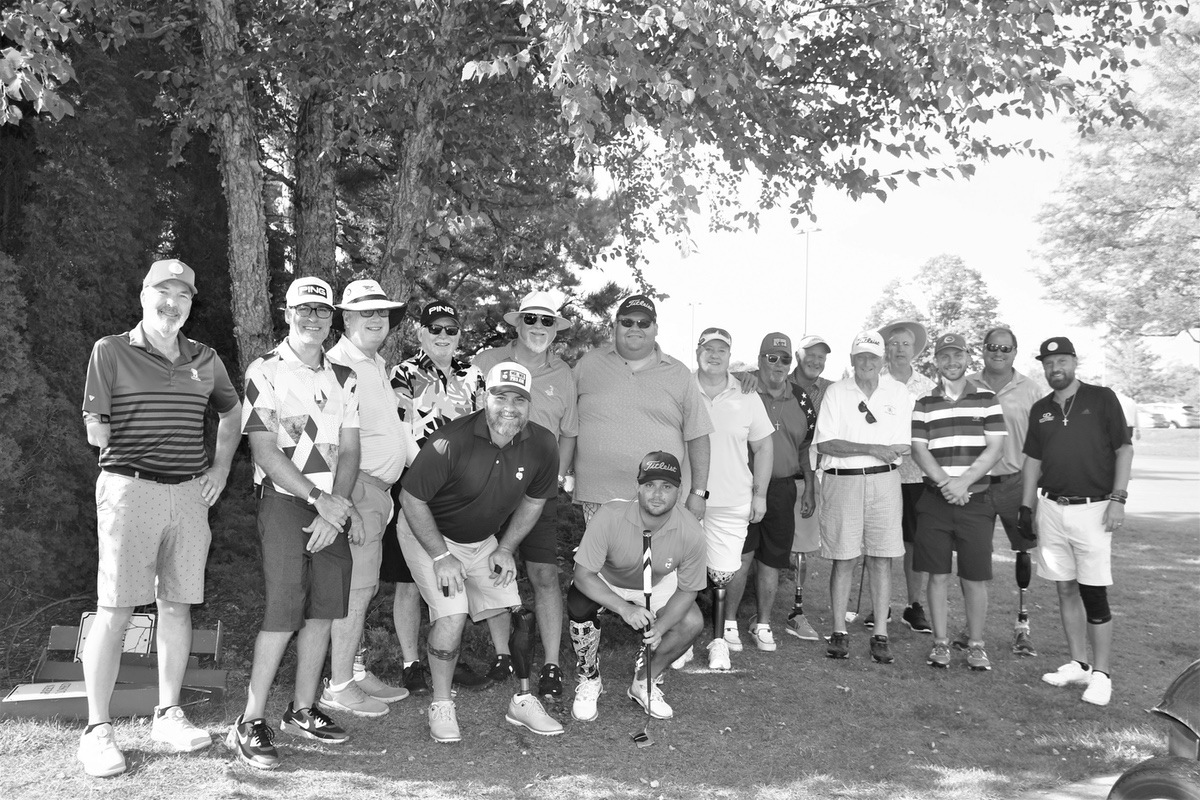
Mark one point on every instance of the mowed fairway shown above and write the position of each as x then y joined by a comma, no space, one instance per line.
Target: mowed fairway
789,724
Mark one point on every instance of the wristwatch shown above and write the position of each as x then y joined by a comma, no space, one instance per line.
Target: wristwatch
314,495
702,494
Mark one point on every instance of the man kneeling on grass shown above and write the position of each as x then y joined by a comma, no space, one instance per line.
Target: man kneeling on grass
608,573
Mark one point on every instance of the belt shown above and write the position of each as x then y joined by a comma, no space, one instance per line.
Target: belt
262,490
1065,500
1002,478
862,470
367,478
142,475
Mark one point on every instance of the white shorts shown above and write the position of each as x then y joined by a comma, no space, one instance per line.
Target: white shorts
807,538
482,598
725,533
1073,544
861,513
659,595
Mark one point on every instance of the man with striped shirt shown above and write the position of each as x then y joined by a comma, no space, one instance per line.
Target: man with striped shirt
144,403
958,433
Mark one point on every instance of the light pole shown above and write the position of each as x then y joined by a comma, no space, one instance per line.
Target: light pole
692,332
808,232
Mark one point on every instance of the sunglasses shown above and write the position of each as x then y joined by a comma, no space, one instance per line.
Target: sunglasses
322,312
629,322
372,312
862,406
775,358
546,320
436,330
1000,348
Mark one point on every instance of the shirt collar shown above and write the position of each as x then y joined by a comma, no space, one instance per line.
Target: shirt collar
424,362
353,352
286,353
137,338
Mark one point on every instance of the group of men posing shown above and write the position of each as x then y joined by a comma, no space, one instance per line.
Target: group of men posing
688,481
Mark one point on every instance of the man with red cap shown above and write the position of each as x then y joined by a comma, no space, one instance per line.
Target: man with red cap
144,404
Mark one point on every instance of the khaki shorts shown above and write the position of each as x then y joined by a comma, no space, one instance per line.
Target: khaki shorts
663,591
375,506
807,538
482,598
861,513
153,541
725,533
1073,544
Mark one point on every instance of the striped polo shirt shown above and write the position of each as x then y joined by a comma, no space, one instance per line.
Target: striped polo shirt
305,407
155,408
956,430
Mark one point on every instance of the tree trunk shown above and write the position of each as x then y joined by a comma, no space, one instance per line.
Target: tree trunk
420,157
241,175
316,200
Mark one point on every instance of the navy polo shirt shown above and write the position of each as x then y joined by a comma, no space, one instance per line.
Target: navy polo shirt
1078,459
471,486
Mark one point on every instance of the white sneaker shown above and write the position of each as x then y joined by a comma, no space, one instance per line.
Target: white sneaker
718,654
172,727
99,752
587,692
684,659
763,638
373,686
1099,690
1068,674
656,705
733,638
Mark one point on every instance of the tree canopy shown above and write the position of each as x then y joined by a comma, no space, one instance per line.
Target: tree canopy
1121,239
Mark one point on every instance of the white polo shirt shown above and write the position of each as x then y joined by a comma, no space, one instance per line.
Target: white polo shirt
737,419
891,405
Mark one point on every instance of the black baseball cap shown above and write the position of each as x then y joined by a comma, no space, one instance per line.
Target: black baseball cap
1055,346
660,465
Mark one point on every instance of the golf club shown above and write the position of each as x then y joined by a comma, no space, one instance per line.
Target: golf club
642,739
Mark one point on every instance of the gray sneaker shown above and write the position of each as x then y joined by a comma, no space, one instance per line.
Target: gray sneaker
977,658
939,656
1022,645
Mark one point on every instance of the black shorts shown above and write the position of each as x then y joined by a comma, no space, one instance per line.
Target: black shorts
910,493
392,566
944,529
771,538
1006,498
300,585
540,545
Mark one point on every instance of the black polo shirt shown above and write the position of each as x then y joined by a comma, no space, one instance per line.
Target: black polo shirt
471,485
1078,458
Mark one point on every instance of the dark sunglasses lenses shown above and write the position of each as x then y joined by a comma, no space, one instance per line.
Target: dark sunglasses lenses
627,322
451,330
533,319
1000,348
862,406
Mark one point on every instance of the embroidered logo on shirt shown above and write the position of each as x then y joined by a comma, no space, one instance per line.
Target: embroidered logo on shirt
667,565
549,391
1047,417
520,473
195,374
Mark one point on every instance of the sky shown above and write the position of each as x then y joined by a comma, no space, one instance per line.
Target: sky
752,284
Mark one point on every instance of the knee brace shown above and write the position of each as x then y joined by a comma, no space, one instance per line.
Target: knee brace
1024,569
1095,604
520,641
580,607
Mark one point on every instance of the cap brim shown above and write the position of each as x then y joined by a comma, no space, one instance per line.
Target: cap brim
509,387
369,305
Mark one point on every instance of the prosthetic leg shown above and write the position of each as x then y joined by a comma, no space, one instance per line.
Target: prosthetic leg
524,709
1022,645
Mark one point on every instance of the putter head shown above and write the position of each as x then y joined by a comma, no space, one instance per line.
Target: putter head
641,739
851,616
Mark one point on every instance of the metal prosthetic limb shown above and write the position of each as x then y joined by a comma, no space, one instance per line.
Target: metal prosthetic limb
1022,645
521,644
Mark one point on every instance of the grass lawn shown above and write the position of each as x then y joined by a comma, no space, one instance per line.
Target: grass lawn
789,724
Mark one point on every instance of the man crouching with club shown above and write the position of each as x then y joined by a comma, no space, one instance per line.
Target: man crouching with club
644,560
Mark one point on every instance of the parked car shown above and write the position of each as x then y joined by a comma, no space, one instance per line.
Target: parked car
1177,415
1150,419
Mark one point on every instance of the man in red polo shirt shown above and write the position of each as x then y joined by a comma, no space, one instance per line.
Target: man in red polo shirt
144,403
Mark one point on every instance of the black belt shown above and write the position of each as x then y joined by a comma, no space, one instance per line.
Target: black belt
1002,478
1065,500
862,470
142,475
261,490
